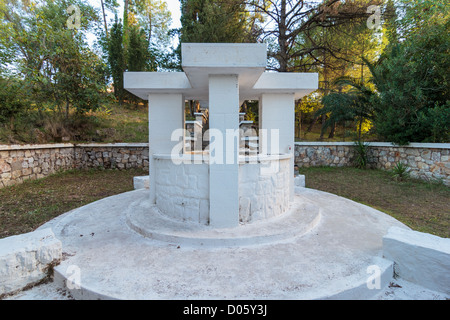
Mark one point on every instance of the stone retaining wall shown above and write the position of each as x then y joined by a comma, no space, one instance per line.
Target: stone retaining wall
428,161
21,162
111,156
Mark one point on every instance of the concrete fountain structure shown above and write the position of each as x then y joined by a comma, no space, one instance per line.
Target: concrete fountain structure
217,224
218,188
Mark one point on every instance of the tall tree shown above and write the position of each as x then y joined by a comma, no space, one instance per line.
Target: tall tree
116,58
107,4
298,20
214,21
413,104
55,59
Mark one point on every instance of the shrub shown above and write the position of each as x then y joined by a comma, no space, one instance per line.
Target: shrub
400,172
361,149
12,102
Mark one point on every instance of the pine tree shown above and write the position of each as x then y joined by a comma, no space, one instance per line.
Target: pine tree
116,58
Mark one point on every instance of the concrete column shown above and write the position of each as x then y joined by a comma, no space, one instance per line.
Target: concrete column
224,168
166,114
277,116
198,131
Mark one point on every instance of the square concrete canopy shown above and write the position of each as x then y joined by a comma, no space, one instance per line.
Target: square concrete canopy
200,60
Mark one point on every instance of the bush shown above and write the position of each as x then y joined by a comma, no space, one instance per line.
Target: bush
400,172
12,101
361,149
413,104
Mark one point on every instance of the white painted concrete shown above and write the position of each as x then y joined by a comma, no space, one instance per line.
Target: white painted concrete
142,84
300,181
277,114
25,259
299,84
420,258
166,115
224,172
263,189
182,190
141,182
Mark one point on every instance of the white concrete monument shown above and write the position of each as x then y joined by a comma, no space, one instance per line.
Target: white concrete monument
219,187
218,223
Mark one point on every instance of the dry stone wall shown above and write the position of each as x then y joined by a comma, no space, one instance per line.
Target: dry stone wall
111,156
21,162
428,161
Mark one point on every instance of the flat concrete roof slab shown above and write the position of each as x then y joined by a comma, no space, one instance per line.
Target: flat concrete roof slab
223,55
200,60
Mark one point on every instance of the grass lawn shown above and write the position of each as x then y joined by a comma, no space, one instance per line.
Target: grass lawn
25,207
423,206
420,205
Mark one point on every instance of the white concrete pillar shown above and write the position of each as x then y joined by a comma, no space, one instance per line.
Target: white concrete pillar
166,114
277,116
198,131
224,169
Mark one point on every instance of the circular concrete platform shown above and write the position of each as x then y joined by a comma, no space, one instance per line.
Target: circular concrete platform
148,221
332,254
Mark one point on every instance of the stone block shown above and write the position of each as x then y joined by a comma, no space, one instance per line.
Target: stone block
141,182
420,258
16,165
4,167
27,259
299,181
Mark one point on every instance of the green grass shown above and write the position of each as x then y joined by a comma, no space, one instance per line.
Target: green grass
25,207
128,124
111,123
423,206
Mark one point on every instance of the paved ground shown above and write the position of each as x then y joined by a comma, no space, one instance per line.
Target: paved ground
398,290
329,259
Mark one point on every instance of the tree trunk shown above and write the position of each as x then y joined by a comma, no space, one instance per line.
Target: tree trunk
323,124
332,132
300,124
104,17
125,24
67,109
311,125
282,38
191,107
360,128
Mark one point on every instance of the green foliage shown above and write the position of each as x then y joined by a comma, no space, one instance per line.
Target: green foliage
138,54
116,58
352,105
418,15
413,104
57,65
361,150
12,101
400,172
213,21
